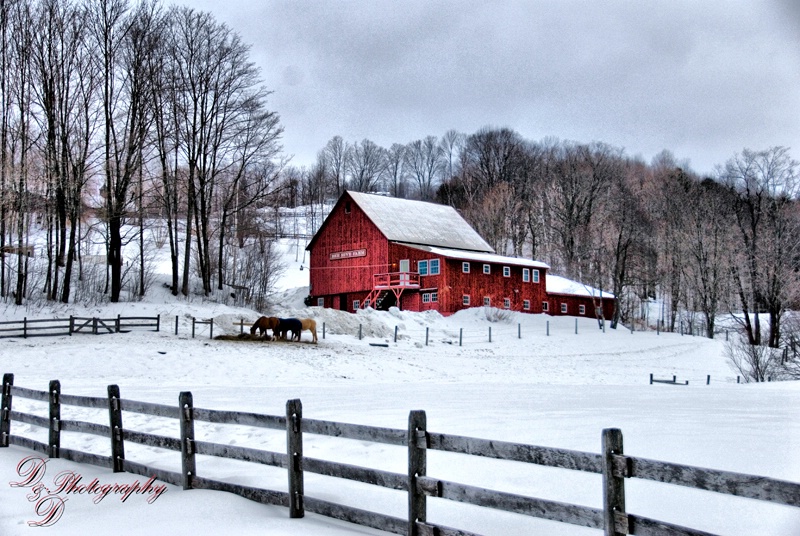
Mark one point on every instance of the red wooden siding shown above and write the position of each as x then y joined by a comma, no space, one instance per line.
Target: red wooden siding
573,303
346,232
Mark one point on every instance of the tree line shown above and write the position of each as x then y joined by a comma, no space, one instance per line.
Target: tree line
115,114
728,243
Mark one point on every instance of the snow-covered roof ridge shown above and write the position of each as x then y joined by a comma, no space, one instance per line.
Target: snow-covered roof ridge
479,256
561,285
420,222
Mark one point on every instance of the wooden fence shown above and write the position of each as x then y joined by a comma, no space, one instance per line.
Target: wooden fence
51,327
612,463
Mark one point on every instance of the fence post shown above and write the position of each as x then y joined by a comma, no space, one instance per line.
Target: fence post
613,484
94,325
71,325
158,322
115,420
54,439
360,331
176,324
193,319
460,335
548,328
294,451
323,330
5,416
519,330
417,466
211,328
651,378
708,379
188,465
116,325
395,334
576,326
427,331
25,327
490,333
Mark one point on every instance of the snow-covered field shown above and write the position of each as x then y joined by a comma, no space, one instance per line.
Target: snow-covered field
558,390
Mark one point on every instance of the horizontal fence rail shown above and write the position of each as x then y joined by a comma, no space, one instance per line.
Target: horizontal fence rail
53,327
612,464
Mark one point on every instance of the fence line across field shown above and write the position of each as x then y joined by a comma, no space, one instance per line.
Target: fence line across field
51,327
611,463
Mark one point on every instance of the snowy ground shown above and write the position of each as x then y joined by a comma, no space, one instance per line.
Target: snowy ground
557,390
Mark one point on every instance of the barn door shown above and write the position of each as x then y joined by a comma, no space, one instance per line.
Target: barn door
405,265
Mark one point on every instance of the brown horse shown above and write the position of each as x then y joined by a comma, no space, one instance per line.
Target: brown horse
263,324
311,325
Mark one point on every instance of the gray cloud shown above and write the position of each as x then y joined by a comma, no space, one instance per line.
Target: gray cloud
703,80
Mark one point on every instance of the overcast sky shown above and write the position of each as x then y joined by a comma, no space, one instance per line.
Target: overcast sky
701,79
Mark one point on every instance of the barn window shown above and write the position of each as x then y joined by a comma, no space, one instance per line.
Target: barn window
465,299
536,276
506,303
506,271
347,207
545,306
426,297
434,297
526,275
487,301
563,307
422,267
582,309
321,302
434,265
487,269
465,267
526,304
356,304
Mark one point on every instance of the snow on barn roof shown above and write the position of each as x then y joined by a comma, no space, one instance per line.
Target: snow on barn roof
418,222
478,256
561,285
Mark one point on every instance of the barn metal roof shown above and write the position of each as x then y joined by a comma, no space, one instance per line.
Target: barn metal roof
480,257
418,222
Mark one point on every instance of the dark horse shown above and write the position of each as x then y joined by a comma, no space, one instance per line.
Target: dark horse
263,324
292,325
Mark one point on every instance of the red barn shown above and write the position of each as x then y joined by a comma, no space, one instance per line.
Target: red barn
382,251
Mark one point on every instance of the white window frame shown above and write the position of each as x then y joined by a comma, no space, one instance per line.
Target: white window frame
465,267
506,303
437,264
526,275
487,269
506,271
356,304
526,305
422,267
545,306
487,301
582,309
564,308
435,297
426,297
465,299
321,302
536,276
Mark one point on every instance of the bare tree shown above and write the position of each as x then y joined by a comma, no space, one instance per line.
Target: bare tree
336,155
766,184
395,172
366,165
423,161
66,83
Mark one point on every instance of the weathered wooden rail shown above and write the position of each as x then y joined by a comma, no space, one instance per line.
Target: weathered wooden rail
51,327
612,463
